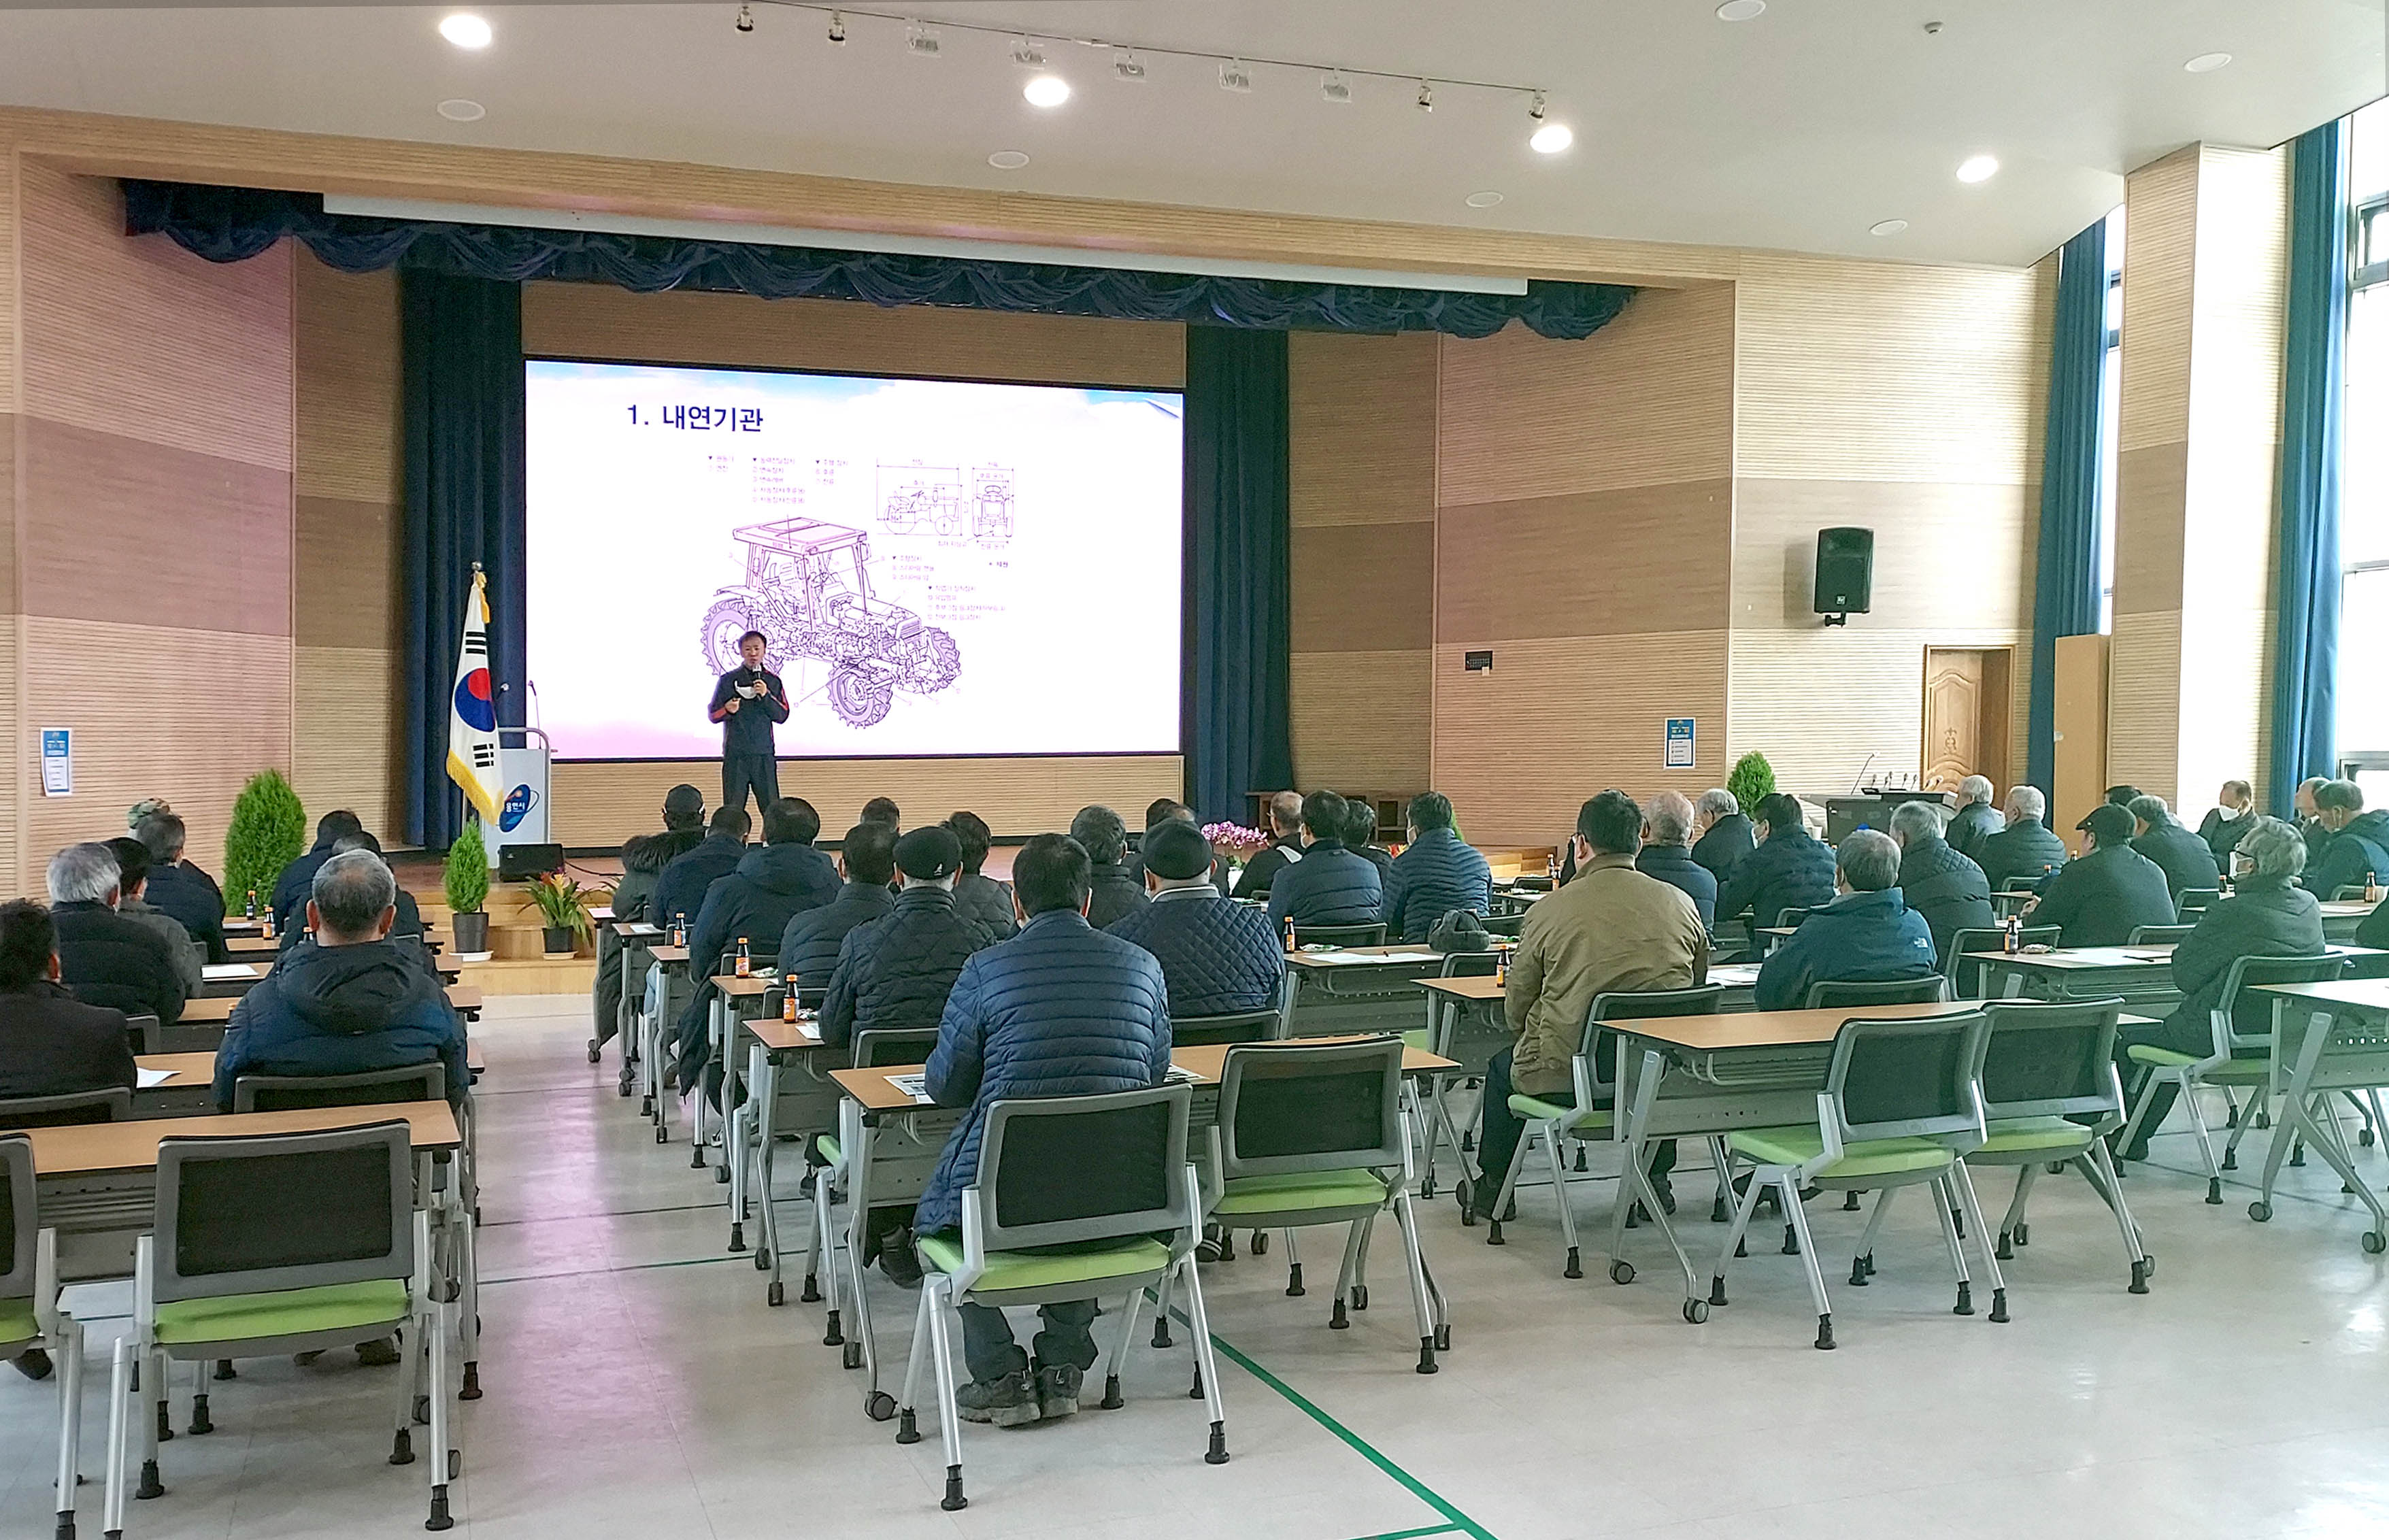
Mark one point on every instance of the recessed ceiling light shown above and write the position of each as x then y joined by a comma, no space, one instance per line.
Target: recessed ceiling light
1887,227
1008,159
1485,200
2205,63
456,109
1740,10
1978,168
466,29
1046,91
1552,139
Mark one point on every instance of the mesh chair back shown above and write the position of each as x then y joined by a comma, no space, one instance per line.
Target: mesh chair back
2051,1060
274,1093
1837,993
284,1211
55,1112
2026,882
2195,900
2157,935
1470,964
893,1045
1913,1078
2246,1023
1988,938
1531,884
1236,1026
20,1227
1340,936
1065,1169
1288,1108
1621,1005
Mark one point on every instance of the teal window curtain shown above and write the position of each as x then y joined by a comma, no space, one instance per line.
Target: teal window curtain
2306,642
2066,589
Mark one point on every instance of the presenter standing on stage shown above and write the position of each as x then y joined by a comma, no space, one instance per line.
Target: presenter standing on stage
747,702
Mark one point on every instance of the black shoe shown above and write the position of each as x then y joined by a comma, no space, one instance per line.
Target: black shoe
1057,1391
378,1353
1488,1188
1008,1403
34,1364
896,1259
1666,1192
1208,1250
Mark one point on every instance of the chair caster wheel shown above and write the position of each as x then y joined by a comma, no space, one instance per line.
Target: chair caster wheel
623,1086
1621,1271
594,1052
1695,1311
1260,1242
1360,1296
2364,1137
422,1410
850,1354
722,1175
2374,1242
880,1407
776,1295
2260,1210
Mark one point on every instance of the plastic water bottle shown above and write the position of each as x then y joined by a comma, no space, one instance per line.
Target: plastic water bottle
745,964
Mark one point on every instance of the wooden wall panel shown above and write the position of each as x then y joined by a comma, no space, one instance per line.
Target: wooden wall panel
345,707
737,331
2079,717
348,371
1362,587
1360,415
2160,255
2144,701
1541,565
1361,721
603,803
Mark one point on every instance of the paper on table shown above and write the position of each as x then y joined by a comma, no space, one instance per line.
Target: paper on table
1338,956
149,1080
911,1085
230,969
1734,973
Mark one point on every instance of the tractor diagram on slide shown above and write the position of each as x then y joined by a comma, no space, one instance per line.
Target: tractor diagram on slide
808,590
940,500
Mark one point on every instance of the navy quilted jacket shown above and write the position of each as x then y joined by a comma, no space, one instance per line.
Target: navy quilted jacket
981,897
681,890
1059,1010
1329,886
808,947
1790,869
1859,936
896,970
1113,893
1945,887
1218,957
1436,874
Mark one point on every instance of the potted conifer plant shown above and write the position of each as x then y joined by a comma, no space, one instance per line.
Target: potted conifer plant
1751,779
267,831
466,880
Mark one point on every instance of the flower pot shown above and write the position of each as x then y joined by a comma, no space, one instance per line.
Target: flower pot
472,936
558,939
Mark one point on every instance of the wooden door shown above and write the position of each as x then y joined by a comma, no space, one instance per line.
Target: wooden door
1966,695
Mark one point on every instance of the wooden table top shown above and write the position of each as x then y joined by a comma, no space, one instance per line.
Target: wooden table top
466,997
1467,986
2347,909
871,1088
601,914
87,1149
783,1037
216,1010
201,1068
252,945
1777,1029
748,988
1353,957
638,930
2369,994
2155,954
669,954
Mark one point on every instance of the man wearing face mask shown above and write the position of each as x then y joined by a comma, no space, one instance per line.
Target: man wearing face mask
747,702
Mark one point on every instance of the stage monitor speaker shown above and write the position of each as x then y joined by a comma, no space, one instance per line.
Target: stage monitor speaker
1845,571
520,863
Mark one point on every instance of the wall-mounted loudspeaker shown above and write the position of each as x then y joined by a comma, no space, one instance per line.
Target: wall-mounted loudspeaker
1845,574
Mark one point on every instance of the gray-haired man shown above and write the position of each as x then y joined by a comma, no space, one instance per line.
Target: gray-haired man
105,958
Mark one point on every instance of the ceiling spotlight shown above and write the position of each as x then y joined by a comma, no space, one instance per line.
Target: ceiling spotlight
1027,54
1740,10
836,27
1236,75
1552,139
466,29
1887,227
2207,63
1978,168
1333,88
1425,97
1535,106
923,41
746,22
1485,200
456,109
1008,159
1046,91
1127,65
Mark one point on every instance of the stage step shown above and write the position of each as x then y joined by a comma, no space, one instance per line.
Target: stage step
509,975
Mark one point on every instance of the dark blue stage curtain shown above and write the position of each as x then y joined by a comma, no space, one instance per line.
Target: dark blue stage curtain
2065,592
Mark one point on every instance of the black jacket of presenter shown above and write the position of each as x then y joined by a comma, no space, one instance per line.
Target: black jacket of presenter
750,758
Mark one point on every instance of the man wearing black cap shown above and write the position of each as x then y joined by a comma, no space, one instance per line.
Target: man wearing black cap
809,946
1218,958
644,859
895,971
2112,891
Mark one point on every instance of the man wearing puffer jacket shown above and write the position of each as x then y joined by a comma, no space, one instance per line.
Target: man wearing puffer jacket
1436,874
1936,881
1330,885
1789,869
1059,1010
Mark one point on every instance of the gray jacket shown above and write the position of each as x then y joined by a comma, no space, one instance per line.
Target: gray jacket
189,956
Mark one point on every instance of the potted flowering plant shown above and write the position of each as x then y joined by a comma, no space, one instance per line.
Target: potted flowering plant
560,905
1235,842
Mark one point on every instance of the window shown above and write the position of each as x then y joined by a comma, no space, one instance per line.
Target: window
2363,726
2111,418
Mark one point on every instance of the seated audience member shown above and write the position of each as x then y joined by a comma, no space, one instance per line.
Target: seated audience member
1975,820
297,880
1060,1010
2121,797
1721,835
104,956
2374,930
644,859
1612,929
680,889
1789,869
2231,816
2113,890
1330,885
2267,915
1936,881
780,878
1360,836
807,945
181,889
1284,849
2360,840
2180,855
353,1001
1867,935
1436,872
1101,834
2025,850
149,807
132,872
1667,853
50,1043
2311,827
409,923
1160,811
1218,957
883,809
977,896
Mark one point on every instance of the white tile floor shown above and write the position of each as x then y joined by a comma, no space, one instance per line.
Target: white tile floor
638,1386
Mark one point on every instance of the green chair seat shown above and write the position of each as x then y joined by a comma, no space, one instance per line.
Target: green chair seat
17,1323
831,1150
2240,1071
1304,1191
1417,1037
2164,1058
286,1313
1011,1270
2034,1133
1874,1157
1569,1118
